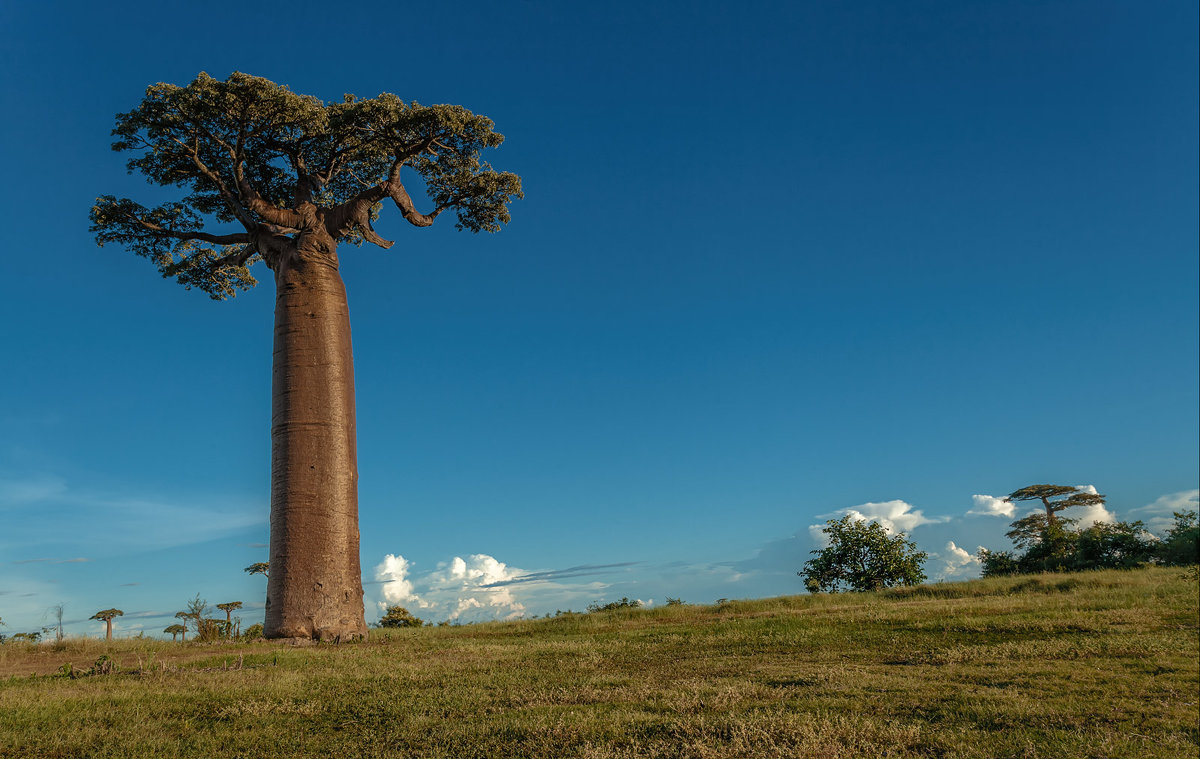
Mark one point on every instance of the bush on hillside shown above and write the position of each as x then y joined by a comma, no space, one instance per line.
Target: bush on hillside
622,603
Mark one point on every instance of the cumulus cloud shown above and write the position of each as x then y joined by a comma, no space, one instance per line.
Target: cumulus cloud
480,587
991,506
397,588
957,562
895,516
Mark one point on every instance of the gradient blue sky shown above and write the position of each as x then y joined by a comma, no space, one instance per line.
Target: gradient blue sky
775,261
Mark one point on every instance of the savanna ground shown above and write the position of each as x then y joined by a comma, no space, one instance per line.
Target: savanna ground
1100,664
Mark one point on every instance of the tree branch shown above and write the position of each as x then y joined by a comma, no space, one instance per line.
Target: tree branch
281,216
230,239
238,210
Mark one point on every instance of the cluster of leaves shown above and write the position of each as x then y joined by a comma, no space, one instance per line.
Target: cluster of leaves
862,556
398,616
620,603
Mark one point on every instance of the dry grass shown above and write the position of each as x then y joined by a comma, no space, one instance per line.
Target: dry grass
1091,665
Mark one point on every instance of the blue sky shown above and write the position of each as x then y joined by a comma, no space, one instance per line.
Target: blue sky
775,262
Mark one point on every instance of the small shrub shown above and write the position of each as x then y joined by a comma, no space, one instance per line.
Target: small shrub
622,603
253,632
398,616
674,601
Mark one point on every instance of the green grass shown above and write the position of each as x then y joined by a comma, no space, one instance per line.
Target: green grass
1101,664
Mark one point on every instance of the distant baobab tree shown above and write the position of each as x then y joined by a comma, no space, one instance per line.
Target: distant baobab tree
107,616
176,630
258,568
229,608
295,176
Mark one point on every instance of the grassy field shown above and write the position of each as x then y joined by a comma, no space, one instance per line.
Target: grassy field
1102,664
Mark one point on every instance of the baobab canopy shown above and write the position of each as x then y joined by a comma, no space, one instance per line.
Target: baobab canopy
260,160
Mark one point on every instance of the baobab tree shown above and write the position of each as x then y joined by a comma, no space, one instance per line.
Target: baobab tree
294,177
175,631
107,616
229,608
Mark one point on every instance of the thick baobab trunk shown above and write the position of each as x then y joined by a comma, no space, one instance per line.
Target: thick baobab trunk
314,589
108,629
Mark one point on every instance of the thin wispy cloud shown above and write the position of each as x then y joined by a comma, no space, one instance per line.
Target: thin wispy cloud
583,570
119,523
1159,516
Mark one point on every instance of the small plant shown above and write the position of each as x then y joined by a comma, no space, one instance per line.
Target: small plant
105,665
253,632
674,601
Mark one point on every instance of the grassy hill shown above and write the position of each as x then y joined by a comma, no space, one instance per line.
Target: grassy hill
1102,664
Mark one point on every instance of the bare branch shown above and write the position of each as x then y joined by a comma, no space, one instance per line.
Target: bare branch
237,258
404,202
230,239
254,201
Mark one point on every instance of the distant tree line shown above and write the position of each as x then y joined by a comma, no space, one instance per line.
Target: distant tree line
1047,542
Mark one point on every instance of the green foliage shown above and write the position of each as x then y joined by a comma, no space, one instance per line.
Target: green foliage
194,616
1181,545
28,637
674,601
398,616
1053,550
107,614
258,568
862,556
253,632
998,563
244,148
1119,545
621,603
1057,546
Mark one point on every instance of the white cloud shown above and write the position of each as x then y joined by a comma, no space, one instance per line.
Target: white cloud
480,587
1159,516
991,506
392,572
893,515
957,561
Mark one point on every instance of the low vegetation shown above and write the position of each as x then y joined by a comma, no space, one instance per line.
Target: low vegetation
1088,664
